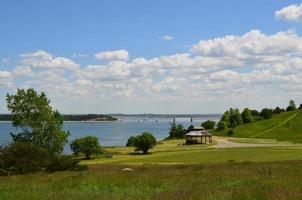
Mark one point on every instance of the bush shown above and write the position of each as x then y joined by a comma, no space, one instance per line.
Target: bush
278,110
230,132
144,142
130,142
255,113
190,128
208,124
222,125
266,113
246,116
177,131
87,145
22,158
64,163
291,106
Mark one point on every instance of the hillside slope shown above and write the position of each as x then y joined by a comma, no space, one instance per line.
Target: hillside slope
284,126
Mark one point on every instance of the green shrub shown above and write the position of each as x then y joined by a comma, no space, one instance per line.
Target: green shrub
64,163
230,132
130,142
87,145
266,113
22,158
222,125
208,124
177,131
144,142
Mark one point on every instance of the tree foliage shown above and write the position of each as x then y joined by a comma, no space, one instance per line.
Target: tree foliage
88,145
177,131
291,106
144,142
246,116
38,124
266,113
208,124
130,142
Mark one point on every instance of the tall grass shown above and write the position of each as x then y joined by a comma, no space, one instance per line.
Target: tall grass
275,180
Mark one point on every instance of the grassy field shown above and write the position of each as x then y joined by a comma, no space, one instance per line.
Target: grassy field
175,171
284,126
270,180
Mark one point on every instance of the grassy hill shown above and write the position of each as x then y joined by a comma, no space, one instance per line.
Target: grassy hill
284,126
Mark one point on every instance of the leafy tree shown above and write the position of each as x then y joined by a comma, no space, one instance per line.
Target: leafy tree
266,113
246,116
190,128
278,110
87,145
226,117
144,142
235,118
37,122
255,113
208,124
291,106
221,125
177,131
130,142
300,107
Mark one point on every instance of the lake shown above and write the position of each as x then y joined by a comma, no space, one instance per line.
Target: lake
114,133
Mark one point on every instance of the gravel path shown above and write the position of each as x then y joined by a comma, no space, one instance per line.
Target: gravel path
224,143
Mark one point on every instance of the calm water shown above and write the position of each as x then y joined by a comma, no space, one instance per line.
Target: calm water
112,133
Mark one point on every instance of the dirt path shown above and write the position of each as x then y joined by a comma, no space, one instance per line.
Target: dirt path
225,143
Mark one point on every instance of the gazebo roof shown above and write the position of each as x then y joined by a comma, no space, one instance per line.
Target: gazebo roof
198,133
198,128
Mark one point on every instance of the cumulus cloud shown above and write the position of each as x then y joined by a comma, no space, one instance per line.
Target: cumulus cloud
113,55
232,67
42,59
167,37
290,13
5,79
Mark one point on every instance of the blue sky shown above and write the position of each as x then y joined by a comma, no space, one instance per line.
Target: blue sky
77,30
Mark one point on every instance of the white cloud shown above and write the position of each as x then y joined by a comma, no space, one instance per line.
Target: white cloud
5,79
112,55
42,59
290,13
230,68
167,37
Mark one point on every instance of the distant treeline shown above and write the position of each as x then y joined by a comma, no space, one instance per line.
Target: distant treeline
75,117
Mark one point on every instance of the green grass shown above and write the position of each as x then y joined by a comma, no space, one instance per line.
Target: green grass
284,126
275,180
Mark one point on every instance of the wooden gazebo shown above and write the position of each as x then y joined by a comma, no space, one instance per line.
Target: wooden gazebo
198,136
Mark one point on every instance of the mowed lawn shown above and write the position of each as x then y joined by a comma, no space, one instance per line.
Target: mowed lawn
223,181
169,152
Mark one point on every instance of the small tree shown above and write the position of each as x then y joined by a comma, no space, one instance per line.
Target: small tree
87,145
38,124
222,125
190,128
177,131
130,142
235,118
266,113
255,113
144,142
291,106
278,110
208,124
246,116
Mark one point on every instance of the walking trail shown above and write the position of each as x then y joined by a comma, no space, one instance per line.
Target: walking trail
225,143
